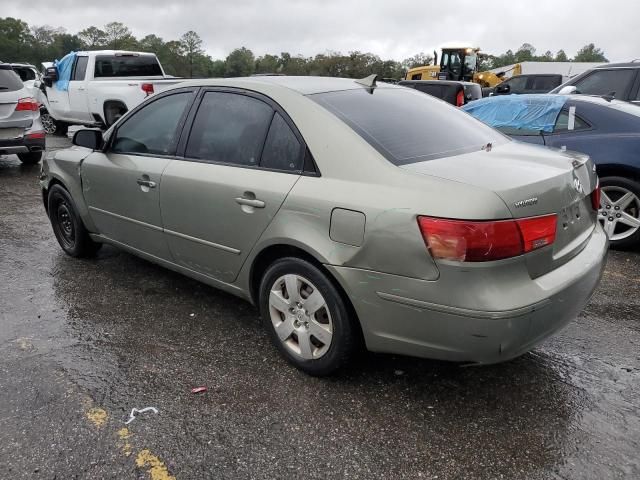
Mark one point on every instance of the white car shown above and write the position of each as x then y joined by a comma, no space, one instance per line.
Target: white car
95,88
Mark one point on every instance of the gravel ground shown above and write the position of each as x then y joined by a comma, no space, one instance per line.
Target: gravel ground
82,342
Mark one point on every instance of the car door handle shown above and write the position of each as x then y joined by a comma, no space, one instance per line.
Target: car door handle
250,202
146,183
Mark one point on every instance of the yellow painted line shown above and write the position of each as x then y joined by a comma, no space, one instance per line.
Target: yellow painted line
97,416
157,468
125,446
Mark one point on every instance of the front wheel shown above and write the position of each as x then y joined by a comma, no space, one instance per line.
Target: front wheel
48,123
68,228
306,317
619,211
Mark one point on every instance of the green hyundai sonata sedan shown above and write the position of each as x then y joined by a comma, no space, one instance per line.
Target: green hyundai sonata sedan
350,213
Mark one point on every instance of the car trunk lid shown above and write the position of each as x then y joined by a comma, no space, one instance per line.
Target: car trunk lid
532,181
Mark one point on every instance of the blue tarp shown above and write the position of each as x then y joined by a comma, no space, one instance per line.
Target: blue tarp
523,112
64,67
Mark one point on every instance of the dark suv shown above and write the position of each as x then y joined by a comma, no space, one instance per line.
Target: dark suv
533,83
618,80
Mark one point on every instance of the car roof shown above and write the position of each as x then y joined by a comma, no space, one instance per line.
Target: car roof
435,82
632,64
307,85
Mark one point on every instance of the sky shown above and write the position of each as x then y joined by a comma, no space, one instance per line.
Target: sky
392,29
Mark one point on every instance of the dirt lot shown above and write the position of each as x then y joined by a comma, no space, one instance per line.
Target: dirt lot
82,342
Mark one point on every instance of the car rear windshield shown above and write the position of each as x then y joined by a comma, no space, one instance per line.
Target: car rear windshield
9,80
127,66
406,126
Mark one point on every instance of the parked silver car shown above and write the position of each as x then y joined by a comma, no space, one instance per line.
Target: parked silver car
348,212
20,128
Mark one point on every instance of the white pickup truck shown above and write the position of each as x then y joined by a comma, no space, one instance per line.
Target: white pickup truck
95,88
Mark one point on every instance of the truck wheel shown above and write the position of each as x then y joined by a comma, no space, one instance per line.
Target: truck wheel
30,158
48,123
67,225
61,128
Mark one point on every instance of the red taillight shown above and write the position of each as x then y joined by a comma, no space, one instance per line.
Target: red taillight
32,135
483,241
26,104
460,99
595,197
147,88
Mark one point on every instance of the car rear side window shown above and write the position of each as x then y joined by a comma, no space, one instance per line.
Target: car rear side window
563,122
9,80
229,128
606,82
80,69
282,150
127,66
407,126
153,128
545,84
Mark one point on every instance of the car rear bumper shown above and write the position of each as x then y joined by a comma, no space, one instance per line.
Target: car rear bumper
22,145
395,319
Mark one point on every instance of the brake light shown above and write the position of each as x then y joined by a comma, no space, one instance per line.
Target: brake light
595,197
27,104
147,88
483,241
38,134
460,99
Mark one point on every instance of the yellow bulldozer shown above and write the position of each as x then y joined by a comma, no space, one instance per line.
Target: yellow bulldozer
459,63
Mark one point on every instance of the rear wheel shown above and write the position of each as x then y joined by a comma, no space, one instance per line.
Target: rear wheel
30,158
306,317
620,211
68,228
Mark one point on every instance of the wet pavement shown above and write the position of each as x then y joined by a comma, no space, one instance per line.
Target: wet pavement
82,342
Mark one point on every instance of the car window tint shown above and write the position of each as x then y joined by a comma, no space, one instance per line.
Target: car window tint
152,129
517,84
9,80
229,128
606,82
282,150
407,126
81,68
562,122
545,84
127,66
25,73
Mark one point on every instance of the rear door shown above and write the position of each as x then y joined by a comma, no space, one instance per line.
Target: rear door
122,186
78,95
241,159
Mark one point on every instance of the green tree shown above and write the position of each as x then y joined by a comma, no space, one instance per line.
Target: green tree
268,64
240,63
191,44
525,53
15,41
561,56
418,60
589,53
118,36
92,37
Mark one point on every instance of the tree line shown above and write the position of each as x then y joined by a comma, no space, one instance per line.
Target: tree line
186,57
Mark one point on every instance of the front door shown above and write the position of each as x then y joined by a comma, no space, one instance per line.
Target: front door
241,161
78,94
122,185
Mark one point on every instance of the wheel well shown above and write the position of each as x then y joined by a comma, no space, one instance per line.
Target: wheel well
111,105
270,254
618,171
45,193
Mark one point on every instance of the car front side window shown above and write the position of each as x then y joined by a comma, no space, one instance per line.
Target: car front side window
153,129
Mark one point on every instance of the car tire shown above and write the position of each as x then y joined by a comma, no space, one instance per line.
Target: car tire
61,128
67,225
30,158
48,123
293,332
621,234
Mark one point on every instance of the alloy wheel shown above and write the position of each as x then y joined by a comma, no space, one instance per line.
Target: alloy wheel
300,316
48,123
619,212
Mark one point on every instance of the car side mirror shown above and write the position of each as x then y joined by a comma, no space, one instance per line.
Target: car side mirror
503,89
50,76
568,90
89,139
